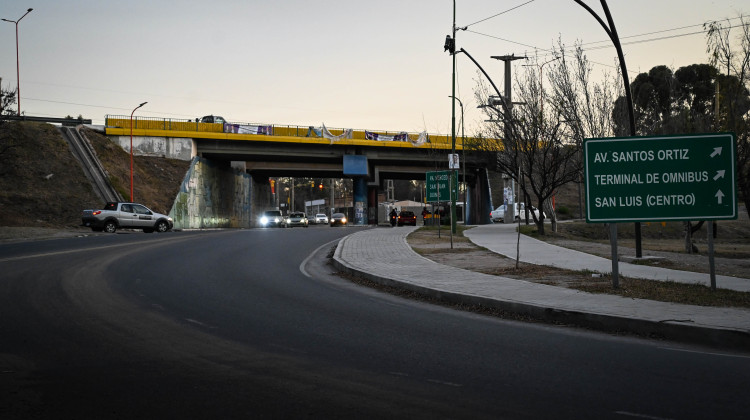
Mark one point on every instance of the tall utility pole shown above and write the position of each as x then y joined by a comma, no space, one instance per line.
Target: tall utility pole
507,59
453,127
510,211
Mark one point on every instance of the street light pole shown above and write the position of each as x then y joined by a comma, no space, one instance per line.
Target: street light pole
463,151
453,129
131,149
18,67
609,28
541,81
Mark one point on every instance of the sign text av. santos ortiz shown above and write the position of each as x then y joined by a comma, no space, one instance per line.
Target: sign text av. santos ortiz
660,178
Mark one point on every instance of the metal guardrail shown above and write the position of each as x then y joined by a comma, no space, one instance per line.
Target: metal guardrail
173,124
64,121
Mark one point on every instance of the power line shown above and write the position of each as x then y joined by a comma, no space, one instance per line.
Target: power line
607,44
501,13
104,107
506,40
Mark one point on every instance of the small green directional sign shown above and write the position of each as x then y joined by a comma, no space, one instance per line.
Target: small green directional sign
634,179
437,185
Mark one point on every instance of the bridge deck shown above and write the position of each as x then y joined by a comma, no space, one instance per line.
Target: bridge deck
281,134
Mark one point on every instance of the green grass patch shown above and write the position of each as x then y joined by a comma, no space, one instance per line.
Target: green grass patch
667,291
531,230
444,230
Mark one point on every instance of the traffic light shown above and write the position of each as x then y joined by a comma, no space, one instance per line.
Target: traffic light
450,45
320,186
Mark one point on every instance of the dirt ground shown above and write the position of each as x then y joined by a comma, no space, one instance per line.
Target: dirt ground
468,256
42,185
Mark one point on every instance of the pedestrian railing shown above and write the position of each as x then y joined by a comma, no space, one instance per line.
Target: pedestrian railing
173,124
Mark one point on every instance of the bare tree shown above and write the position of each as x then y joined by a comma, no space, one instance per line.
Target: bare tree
543,137
536,149
733,55
586,107
7,100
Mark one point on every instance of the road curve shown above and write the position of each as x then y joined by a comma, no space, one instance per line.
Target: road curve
225,325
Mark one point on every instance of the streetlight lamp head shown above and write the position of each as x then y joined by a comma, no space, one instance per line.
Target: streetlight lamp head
30,9
142,104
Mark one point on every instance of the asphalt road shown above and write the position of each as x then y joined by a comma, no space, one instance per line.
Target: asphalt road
250,324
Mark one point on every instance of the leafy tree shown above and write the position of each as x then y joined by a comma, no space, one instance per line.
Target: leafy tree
685,101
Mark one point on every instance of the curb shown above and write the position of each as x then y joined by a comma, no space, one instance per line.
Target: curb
664,330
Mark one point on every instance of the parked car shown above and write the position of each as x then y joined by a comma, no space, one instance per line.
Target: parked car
296,218
321,218
116,215
271,218
338,219
498,215
407,217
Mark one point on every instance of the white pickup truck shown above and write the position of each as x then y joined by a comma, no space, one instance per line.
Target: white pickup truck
116,215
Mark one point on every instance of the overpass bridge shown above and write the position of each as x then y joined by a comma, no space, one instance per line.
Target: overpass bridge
262,151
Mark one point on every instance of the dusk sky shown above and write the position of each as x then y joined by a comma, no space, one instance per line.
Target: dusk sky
375,65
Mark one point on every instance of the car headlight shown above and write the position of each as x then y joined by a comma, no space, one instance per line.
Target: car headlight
263,220
343,220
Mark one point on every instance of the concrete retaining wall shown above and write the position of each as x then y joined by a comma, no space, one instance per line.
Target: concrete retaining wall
169,147
213,195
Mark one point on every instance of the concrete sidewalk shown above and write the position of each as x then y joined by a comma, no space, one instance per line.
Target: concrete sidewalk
502,239
383,255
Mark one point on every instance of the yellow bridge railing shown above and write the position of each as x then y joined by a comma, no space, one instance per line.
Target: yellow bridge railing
170,124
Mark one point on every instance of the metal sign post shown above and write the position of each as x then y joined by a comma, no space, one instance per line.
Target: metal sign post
661,178
440,184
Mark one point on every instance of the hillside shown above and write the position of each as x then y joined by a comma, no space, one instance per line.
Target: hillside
42,184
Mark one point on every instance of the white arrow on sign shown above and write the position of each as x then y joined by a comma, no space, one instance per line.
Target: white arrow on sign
719,174
717,151
719,195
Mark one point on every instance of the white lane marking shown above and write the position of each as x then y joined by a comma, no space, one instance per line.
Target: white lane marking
708,353
436,381
399,374
641,416
69,251
97,248
199,323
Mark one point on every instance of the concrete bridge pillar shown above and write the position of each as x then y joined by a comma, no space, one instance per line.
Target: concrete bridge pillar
478,205
360,201
372,205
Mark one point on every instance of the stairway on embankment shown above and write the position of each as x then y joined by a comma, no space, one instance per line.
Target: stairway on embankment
92,167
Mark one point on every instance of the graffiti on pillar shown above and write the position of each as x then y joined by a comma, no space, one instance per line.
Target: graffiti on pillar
212,196
359,213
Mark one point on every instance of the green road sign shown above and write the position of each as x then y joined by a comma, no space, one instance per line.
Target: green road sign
437,185
635,179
